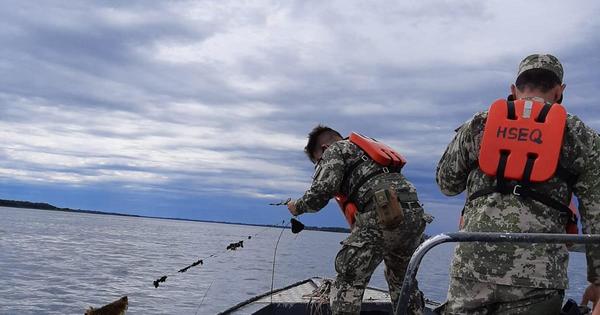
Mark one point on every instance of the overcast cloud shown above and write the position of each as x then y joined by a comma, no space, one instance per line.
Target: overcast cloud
200,109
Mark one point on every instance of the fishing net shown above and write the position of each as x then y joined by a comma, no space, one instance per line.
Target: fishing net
319,298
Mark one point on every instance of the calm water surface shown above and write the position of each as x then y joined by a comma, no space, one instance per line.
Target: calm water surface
61,263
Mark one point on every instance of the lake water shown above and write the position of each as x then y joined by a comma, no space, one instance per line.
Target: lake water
62,263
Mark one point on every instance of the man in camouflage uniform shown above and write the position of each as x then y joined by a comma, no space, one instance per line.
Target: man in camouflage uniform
368,243
525,278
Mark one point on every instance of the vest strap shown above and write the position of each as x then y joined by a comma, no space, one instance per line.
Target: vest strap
365,179
524,191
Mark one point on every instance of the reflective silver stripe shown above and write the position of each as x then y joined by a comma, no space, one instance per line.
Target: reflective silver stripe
527,109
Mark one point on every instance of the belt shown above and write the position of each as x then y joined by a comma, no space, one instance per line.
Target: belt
408,200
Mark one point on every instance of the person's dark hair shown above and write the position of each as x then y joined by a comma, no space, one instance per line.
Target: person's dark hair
537,79
313,136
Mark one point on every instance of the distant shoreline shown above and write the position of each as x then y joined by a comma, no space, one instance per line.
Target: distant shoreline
49,207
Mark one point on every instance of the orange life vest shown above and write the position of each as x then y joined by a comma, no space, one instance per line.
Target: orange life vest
525,132
522,141
378,152
349,209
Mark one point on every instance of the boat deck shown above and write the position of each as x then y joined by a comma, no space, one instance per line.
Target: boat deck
303,298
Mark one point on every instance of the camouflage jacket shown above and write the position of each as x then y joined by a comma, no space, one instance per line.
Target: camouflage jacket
328,179
531,265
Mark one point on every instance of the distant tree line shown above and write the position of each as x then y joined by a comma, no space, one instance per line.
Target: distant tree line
47,206
29,205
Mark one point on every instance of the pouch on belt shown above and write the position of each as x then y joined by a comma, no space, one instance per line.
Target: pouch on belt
388,208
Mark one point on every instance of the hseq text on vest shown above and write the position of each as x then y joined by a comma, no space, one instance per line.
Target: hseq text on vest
520,134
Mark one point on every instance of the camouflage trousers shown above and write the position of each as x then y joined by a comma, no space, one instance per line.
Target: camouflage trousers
366,247
474,297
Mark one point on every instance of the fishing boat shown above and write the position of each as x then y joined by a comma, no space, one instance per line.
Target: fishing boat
310,296
306,297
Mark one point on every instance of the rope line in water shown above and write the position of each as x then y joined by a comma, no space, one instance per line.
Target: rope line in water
297,226
275,255
199,262
205,293
231,247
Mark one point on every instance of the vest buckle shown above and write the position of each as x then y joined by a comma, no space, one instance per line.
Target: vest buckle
515,192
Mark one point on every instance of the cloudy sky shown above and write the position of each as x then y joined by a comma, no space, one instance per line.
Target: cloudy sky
200,109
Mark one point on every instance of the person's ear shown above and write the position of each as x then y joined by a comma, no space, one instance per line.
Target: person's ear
513,91
558,93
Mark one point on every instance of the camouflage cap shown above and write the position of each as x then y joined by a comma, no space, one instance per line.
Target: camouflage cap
541,61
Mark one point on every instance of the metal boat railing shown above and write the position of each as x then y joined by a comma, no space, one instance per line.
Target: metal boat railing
461,237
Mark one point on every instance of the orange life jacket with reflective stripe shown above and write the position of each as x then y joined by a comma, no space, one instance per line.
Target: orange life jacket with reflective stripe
522,141
378,152
525,132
